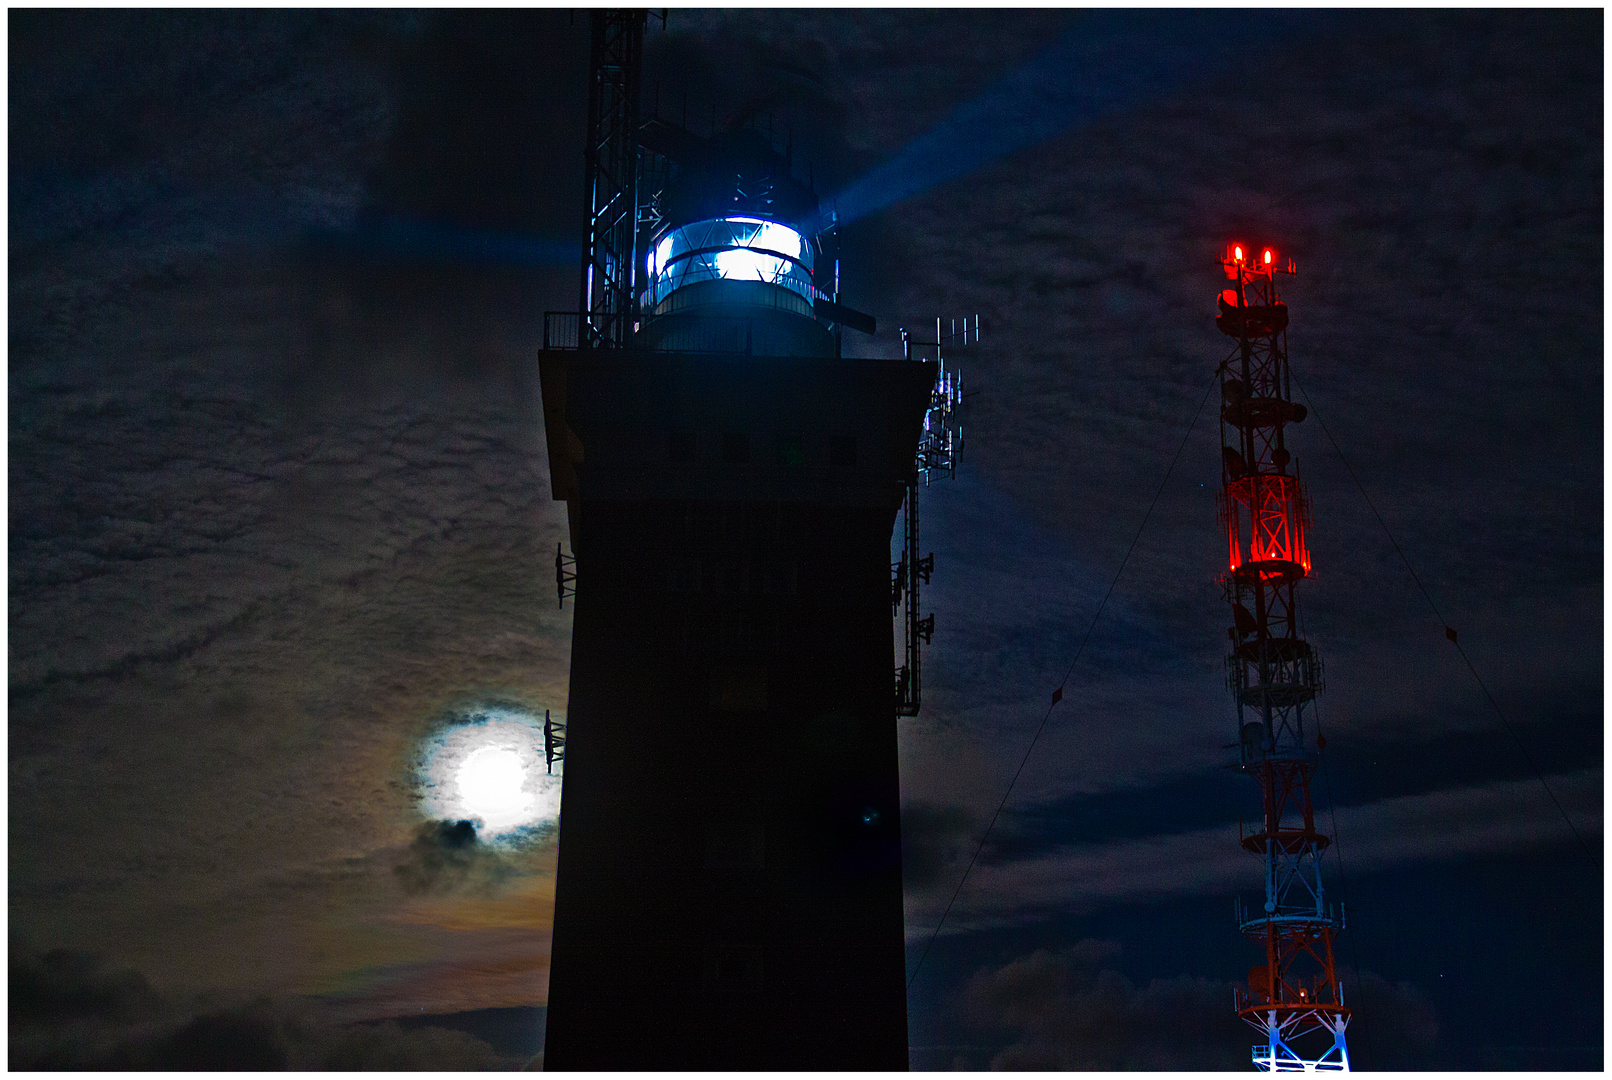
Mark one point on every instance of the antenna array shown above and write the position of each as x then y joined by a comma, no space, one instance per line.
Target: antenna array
939,448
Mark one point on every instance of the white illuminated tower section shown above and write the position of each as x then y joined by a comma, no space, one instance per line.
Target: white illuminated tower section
1293,998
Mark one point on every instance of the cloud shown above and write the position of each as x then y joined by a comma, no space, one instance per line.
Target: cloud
493,970
62,985
1068,1010
269,521
1092,263
935,843
445,856
1506,816
833,77
1396,1026
69,1011
230,635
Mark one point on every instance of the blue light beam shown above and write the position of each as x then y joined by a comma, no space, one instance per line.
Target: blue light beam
1106,62
392,237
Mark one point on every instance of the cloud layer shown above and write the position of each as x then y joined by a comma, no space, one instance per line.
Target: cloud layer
279,509
1068,1011
68,1011
1414,829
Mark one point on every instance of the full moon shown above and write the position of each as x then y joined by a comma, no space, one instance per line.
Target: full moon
490,768
491,783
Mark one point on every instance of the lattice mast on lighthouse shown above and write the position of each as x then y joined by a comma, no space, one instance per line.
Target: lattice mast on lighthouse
1293,998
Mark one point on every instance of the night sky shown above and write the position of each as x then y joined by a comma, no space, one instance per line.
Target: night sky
281,519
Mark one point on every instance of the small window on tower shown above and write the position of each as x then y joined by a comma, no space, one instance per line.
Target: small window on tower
842,450
680,446
736,447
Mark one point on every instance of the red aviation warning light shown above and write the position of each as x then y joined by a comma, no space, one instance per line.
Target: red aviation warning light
1237,260
1294,998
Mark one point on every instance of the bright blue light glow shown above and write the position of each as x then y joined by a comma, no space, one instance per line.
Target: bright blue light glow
771,236
730,249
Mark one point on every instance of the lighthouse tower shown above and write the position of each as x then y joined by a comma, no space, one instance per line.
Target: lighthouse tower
729,881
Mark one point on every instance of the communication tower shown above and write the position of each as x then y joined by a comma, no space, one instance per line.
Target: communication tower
729,892
1293,998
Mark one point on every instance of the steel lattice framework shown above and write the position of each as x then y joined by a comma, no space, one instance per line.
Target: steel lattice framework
1294,998
939,449
611,162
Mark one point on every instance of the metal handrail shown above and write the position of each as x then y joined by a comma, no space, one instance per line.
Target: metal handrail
561,329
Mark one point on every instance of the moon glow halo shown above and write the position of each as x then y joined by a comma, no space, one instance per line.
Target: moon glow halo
490,769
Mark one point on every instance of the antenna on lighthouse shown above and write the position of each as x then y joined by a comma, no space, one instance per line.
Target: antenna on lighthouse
939,447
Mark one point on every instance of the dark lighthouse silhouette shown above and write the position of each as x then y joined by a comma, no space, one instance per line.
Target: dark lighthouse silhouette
729,882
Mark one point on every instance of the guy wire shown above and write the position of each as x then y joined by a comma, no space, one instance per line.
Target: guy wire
1058,693
1448,631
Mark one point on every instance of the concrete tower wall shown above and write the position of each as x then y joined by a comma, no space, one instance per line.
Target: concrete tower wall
729,891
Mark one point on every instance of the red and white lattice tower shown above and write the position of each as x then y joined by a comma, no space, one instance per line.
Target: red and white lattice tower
1293,998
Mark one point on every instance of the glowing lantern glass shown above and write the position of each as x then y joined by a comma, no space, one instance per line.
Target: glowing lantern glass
730,249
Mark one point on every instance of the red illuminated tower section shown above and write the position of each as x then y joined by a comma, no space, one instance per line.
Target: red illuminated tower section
1293,997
